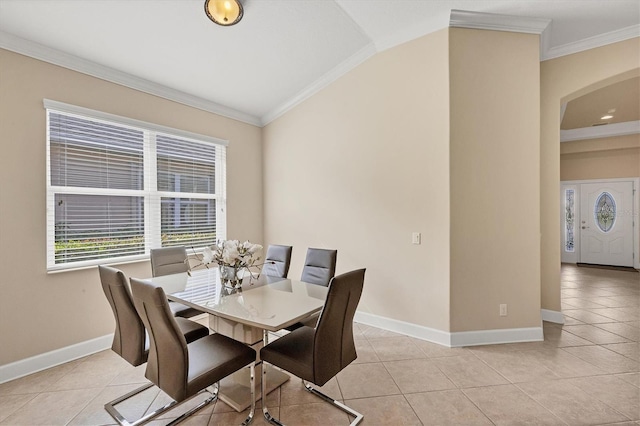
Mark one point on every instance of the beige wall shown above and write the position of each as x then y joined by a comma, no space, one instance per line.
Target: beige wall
495,166
605,158
40,312
563,79
359,167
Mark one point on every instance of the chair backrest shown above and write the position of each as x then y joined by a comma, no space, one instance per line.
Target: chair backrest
168,260
129,337
319,266
281,258
333,347
168,363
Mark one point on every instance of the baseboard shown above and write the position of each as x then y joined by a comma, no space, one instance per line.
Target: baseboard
457,339
552,316
50,359
494,337
425,333
41,362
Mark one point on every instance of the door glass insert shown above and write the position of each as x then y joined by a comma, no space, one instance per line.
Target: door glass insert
605,212
569,215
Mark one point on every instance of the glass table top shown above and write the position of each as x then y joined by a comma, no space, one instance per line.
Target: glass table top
265,302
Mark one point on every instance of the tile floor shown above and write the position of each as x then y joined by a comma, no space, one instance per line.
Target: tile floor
585,372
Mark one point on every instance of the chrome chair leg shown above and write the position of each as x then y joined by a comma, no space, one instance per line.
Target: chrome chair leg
265,411
212,398
358,416
337,404
118,417
252,382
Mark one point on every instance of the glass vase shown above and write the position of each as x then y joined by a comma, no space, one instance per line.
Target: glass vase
230,276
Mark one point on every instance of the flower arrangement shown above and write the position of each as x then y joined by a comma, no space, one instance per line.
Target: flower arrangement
232,253
231,256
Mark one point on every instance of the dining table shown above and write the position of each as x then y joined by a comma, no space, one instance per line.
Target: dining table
250,313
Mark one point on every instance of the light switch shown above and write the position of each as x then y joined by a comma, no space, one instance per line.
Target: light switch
415,238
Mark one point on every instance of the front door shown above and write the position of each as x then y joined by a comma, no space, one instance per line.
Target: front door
606,223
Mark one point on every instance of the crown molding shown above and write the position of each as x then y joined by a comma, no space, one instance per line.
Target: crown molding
496,22
57,57
335,73
591,42
597,132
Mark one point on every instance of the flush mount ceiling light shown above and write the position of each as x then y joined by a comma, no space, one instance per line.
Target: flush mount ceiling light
224,12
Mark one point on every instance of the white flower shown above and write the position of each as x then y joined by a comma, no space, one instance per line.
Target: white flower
230,256
231,245
232,253
252,248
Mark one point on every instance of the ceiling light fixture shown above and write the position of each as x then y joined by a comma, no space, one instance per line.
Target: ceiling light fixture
606,117
224,12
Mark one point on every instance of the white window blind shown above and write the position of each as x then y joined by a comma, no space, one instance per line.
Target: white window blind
117,187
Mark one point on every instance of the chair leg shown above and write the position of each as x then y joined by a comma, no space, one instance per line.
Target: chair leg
252,382
213,397
110,407
338,404
265,410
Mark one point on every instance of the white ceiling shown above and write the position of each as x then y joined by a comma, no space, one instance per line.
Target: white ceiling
281,51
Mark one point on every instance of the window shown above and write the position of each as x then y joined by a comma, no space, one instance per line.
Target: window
117,187
569,220
604,212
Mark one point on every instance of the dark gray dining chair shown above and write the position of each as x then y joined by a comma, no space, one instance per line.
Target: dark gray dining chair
319,266
180,369
130,340
318,354
172,260
277,261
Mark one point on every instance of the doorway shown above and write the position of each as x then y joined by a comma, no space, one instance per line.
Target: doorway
600,222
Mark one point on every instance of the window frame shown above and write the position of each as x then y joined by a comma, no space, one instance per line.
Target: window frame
151,195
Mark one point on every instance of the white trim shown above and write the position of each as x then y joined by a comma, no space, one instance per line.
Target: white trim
496,22
493,337
56,357
458,339
425,333
552,316
591,42
50,359
335,73
74,109
75,63
604,131
458,18
545,40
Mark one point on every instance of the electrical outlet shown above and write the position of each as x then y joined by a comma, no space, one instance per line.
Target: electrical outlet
503,310
416,238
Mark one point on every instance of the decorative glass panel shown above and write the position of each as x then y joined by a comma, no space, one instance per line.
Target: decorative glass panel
605,212
569,215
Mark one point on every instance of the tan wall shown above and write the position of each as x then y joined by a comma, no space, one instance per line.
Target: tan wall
359,167
40,312
605,158
495,246
563,79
